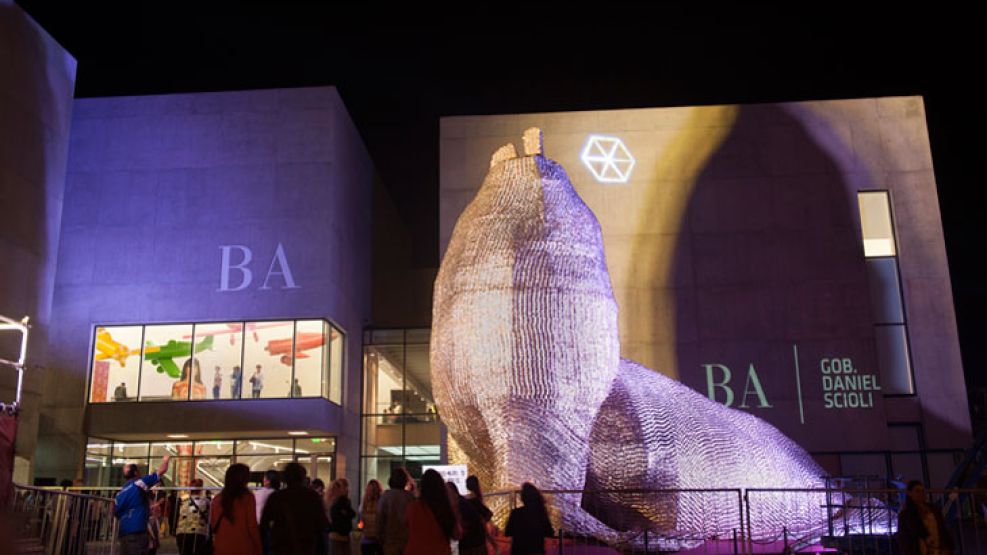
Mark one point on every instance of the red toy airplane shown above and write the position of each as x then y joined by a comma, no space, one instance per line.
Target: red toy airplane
303,342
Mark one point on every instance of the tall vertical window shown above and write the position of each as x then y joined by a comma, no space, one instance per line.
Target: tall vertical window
400,424
887,301
875,222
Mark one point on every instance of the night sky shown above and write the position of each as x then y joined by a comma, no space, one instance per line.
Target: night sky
398,71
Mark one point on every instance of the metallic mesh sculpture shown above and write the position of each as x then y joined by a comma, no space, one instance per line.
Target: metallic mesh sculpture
524,338
527,375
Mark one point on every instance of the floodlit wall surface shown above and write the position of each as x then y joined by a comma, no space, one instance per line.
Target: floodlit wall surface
735,248
210,207
37,78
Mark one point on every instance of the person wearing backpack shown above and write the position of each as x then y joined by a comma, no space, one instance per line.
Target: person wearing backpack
192,530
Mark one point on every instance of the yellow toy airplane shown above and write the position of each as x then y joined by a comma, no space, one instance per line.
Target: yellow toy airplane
107,347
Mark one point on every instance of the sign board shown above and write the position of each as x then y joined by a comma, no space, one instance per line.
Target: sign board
455,473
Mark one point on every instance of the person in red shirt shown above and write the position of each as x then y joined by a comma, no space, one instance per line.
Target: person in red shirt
432,521
233,516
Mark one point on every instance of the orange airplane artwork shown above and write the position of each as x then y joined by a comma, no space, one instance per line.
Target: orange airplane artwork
107,347
303,342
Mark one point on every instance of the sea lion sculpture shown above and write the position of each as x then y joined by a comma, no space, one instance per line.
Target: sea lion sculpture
527,376
524,335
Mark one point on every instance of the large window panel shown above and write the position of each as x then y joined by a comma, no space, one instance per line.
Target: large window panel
167,371
116,364
222,363
268,357
311,358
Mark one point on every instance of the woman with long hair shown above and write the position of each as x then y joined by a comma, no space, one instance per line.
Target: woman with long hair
370,544
341,515
432,521
528,526
921,526
233,516
190,379
479,531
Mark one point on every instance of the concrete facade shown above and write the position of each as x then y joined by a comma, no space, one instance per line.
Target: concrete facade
737,243
37,81
156,187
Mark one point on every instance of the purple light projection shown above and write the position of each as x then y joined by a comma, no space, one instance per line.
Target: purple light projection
526,372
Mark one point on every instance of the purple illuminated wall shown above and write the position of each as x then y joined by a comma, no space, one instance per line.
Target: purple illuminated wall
159,189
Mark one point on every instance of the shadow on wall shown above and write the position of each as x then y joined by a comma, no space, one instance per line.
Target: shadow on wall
770,237
770,241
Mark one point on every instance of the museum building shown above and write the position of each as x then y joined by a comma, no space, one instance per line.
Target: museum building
221,277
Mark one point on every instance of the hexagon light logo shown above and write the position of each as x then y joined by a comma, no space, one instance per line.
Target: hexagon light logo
608,159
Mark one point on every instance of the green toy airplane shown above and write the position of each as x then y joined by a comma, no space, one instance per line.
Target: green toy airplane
162,355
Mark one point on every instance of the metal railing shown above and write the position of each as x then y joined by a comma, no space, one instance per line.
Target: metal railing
61,522
647,517
736,521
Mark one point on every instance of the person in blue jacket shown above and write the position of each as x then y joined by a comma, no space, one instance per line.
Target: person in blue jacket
133,507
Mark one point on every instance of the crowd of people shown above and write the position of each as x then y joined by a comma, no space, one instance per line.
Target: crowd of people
305,517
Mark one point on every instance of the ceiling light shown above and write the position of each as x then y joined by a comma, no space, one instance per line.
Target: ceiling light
178,436
298,433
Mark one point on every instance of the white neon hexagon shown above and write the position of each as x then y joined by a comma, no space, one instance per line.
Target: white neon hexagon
608,159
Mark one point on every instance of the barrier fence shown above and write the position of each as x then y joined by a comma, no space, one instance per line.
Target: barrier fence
61,522
634,522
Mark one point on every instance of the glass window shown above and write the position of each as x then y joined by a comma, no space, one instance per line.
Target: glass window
379,468
875,222
418,402
207,460
893,359
315,445
268,354
127,451
387,336
885,291
212,361
214,447
116,364
263,463
258,446
221,363
310,358
383,384
167,363
173,448
96,446
336,367
100,470
212,470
